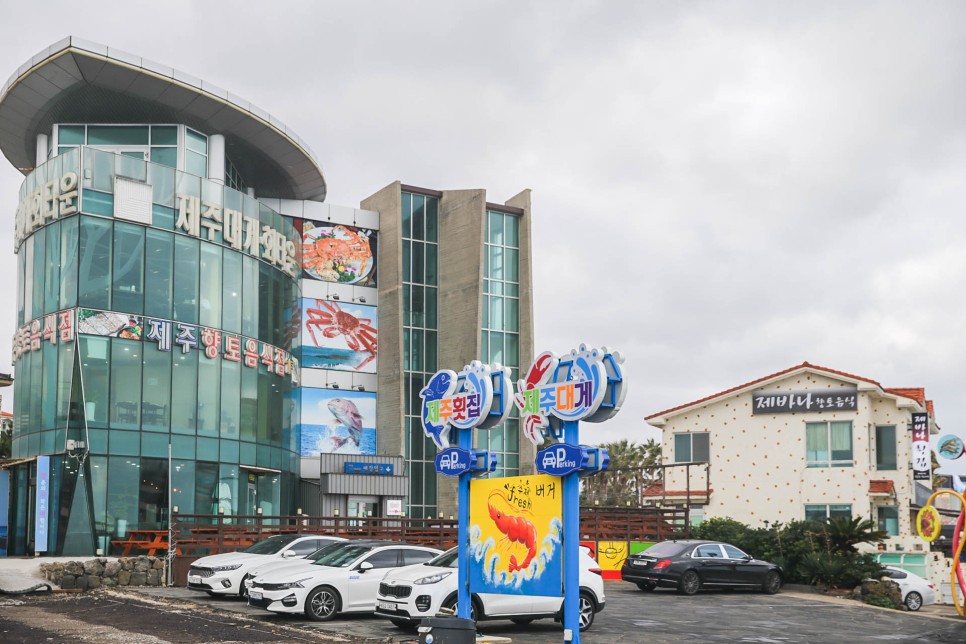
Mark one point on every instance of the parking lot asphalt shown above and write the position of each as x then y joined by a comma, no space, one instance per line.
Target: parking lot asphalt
633,616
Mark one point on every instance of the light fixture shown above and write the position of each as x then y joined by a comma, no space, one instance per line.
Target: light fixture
362,298
335,385
175,509
258,510
361,387
298,511
336,512
335,296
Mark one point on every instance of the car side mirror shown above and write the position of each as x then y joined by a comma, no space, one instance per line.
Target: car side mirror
289,554
747,558
365,566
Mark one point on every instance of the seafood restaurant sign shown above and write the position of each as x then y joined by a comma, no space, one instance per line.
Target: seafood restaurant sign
520,527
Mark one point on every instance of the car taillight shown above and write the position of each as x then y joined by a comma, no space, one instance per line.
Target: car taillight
932,587
663,563
596,571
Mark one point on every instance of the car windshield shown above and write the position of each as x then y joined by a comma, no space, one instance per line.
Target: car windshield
272,545
666,549
448,559
342,557
324,551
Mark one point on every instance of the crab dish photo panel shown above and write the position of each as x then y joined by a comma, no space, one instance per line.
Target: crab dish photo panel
339,253
339,335
337,421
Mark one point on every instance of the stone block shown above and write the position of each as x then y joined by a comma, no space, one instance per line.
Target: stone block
123,578
67,581
138,578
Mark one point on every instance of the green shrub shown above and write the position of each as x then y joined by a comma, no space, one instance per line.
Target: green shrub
839,569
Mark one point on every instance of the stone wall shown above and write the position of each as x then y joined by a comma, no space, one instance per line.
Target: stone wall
94,573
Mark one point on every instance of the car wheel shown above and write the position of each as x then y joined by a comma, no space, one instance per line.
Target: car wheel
404,624
587,610
646,586
689,583
451,605
322,604
773,583
522,621
913,601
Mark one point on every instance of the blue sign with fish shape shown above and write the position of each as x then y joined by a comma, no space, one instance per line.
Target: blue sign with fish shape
464,401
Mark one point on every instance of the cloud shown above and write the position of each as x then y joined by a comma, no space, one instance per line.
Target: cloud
720,190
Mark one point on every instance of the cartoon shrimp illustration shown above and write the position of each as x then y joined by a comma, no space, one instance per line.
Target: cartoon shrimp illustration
516,528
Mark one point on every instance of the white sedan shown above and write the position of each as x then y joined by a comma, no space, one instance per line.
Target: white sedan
222,574
408,595
344,580
916,591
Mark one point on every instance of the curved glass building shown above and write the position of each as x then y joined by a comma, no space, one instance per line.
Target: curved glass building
157,303
199,332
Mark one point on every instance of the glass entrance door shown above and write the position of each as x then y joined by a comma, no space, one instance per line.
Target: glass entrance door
362,506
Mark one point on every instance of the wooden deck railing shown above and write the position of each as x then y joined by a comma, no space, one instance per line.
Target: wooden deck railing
198,534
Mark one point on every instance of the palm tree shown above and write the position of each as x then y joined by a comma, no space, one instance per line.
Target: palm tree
632,467
843,533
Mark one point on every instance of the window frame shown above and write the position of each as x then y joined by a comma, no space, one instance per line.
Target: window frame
829,461
691,450
828,509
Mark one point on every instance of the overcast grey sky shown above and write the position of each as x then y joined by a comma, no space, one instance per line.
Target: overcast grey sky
720,190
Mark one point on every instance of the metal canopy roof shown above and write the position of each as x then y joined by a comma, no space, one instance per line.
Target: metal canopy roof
77,81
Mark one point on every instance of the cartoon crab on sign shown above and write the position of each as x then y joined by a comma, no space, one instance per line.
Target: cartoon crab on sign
331,320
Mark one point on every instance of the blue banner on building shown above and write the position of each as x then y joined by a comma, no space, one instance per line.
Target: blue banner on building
43,499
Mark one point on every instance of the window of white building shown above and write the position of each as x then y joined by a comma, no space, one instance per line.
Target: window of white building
823,511
885,447
828,444
692,448
887,517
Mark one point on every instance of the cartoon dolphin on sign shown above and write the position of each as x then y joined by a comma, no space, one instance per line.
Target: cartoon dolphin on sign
348,414
440,386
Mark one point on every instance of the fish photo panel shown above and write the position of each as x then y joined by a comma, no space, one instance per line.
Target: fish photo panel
337,421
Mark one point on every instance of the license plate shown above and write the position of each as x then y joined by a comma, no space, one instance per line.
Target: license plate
386,605
254,594
194,579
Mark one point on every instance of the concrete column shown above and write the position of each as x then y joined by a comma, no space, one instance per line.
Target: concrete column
41,150
390,405
216,158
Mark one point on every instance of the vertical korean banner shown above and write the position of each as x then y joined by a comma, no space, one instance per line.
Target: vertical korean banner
515,535
921,466
43,498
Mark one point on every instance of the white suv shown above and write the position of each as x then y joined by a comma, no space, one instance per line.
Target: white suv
222,574
409,594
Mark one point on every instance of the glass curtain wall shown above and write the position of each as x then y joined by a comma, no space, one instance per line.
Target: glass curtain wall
131,397
420,221
501,328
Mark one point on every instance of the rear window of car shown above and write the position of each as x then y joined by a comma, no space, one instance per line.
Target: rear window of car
665,549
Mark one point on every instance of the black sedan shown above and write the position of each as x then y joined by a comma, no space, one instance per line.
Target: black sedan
690,565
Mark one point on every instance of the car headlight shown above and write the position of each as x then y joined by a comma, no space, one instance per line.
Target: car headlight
291,584
225,568
432,579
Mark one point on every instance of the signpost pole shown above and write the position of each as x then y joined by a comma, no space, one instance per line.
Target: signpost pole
463,601
571,541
